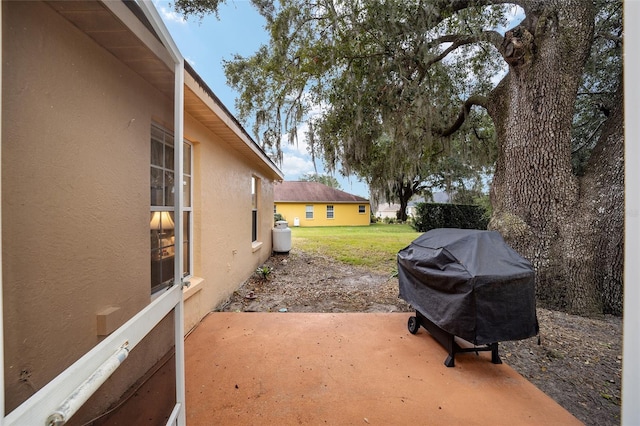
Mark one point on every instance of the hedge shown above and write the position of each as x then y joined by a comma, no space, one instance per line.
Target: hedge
432,216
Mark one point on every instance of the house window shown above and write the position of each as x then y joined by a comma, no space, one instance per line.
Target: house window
255,184
187,209
162,215
308,212
362,209
329,212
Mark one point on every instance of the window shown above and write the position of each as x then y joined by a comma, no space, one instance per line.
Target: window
362,209
162,214
329,212
187,209
255,184
308,212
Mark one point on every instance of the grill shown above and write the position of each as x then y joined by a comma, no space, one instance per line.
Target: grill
468,286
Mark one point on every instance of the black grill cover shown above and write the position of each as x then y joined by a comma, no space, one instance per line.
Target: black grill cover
471,284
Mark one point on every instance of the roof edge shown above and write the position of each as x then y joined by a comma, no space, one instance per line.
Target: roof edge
245,135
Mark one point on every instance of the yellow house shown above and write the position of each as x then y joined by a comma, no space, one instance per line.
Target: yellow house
316,204
119,167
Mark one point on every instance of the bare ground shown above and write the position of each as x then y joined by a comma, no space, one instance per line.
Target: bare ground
578,362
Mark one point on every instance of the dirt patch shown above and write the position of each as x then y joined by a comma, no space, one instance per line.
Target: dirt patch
578,361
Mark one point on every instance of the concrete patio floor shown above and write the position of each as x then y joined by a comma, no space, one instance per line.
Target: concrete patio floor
344,369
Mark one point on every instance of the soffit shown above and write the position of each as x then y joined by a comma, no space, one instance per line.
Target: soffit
202,105
115,27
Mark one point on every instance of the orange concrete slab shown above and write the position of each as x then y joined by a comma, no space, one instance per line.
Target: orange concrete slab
351,368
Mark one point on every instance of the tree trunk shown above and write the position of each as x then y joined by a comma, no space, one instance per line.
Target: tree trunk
404,195
535,195
598,231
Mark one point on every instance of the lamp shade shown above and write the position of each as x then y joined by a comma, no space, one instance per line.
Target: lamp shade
161,221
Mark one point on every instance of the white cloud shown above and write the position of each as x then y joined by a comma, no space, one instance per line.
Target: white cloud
170,15
299,146
294,166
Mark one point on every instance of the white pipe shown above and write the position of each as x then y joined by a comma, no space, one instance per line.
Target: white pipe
83,392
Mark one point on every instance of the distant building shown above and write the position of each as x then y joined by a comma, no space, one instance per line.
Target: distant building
385,210
316,204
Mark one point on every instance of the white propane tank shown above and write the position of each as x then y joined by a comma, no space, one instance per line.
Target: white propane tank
281,237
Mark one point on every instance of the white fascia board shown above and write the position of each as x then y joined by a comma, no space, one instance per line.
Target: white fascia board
131,21
223,114
158,25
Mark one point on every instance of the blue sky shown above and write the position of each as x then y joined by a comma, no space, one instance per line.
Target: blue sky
240,30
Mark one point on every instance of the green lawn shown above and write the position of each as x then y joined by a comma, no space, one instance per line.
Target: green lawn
373,246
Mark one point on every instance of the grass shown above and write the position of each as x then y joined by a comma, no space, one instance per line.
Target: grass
373,246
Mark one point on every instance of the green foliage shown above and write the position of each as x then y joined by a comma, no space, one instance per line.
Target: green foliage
484,202
198,8
391,77
377,68
324,179
432,216
264,272
277,217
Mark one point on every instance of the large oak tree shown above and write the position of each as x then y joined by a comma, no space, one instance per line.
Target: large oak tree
415,71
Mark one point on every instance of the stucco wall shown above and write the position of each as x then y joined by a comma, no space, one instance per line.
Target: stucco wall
345,214
75,197
224,253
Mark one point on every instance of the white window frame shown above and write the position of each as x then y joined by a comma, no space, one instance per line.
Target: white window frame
189,209
185,209
308,212
330,211
364,209
255,209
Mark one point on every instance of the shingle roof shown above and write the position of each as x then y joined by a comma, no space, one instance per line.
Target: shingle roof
312,192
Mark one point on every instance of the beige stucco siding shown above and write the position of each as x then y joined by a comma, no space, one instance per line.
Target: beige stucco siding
75,195
224,254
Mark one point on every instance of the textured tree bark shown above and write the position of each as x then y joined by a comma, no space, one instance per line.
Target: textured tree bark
596,266
540,207
404,191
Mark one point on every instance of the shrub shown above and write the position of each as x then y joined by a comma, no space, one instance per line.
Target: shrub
263,272
277,217
432,216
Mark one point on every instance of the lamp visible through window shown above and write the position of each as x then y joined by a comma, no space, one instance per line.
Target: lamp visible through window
161,221
162,233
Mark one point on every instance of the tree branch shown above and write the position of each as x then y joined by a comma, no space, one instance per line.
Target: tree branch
456,41
492,37
462,116
609,37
